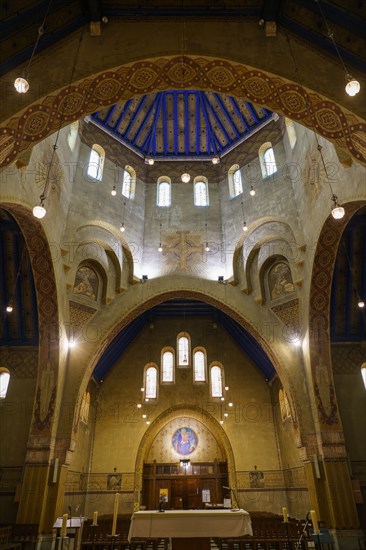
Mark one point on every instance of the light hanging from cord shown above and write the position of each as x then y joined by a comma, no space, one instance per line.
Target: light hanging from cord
252,191
39,211
353,86
113,192
338,211
160,248
245,227
9,307
207,247
21,84
122,228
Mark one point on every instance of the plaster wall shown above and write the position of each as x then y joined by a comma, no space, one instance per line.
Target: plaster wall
250,418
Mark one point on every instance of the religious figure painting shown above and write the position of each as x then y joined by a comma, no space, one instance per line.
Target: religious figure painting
256,478
86,282
280,281
184,441
114,482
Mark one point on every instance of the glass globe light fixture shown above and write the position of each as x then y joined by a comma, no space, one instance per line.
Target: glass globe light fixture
352,86
21,85
122,228
9,308
160,249
185,177
361,303
338,212
215,160
252,191
39,210
245,227
207,248
113,192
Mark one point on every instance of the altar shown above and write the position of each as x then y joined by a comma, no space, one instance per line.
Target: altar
180,525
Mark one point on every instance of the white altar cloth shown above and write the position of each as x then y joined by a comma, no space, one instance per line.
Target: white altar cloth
190,523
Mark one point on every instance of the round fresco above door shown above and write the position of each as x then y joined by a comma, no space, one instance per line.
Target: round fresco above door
184,441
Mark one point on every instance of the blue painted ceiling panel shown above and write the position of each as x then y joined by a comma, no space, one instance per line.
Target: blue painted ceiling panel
182,123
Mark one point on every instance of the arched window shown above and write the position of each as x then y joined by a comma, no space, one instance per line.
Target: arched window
73,134
200,188
216,380
183,349
151,382
96,162
4,382
167,366
128,182
199,365
267,160
235,181
164,192
291,132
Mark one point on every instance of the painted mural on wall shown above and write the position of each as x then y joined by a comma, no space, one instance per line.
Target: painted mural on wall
280,281
86,282
256,478
162,449
114,482
184,441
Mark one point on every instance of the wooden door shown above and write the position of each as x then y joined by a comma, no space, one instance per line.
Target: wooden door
193,493
178,494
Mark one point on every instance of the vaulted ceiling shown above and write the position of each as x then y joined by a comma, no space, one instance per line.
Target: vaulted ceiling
182,123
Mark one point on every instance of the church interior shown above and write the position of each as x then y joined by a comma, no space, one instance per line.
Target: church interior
183,262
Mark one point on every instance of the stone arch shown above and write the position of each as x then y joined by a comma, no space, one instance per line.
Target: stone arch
108,238
161,296
171,414
48,318
319,318
264,230
281,95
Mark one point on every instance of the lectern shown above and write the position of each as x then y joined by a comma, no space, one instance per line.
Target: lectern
73,530
190,528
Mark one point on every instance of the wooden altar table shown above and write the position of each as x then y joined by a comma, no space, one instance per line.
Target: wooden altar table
180,525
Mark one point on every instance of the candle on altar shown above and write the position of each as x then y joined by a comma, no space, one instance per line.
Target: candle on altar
115,512
64,525
95,518
314,521
285,516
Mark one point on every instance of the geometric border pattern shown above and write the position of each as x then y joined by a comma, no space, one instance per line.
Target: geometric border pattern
44,278
73,102
319,310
